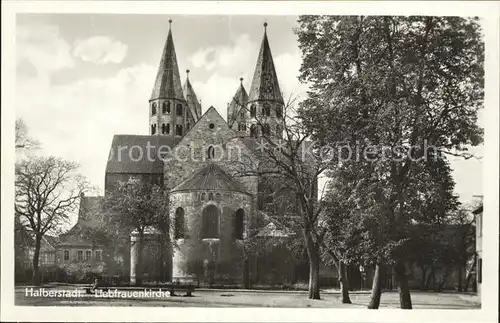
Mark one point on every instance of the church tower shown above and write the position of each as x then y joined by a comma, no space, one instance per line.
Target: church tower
265,101
193,104
168,108
237,114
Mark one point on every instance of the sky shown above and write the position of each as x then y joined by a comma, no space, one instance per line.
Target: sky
81,78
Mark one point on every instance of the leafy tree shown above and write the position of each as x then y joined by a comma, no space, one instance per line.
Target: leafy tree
136,205
47,190
392,87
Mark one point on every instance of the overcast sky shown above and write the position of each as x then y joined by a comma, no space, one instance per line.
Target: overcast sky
82,78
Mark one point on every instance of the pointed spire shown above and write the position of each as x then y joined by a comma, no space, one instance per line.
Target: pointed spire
238,102
265,86
193,104
168,81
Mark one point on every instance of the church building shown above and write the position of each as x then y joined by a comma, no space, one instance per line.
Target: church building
200,158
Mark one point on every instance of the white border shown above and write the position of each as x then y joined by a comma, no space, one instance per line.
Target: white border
488,313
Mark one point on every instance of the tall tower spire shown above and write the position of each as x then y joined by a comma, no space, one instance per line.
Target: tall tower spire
194,106
265,101
167,105
237,113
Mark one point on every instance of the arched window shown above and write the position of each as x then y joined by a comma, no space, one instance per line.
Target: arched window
218,197
253,110
178,130
179,223
242,112
266,110
210,152
210,227
239,227
163,128
242,127
266,130
210,196
188,126
253,131
179,109
153,129
279,111
167,128
202,196
153,109
166,107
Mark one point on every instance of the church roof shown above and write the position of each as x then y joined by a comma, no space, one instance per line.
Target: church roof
168,81
265,84
129,154
191,98
238,101
210,177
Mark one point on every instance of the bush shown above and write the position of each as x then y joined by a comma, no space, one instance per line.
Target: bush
78,272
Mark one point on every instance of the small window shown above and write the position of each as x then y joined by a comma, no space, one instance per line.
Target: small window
178,130
242,127
79,255
211,126
218,197
179,223
167,128
88,255
153,129
66,255
210,222
266,130
188,126
98,255
253,110
163,129
202,197
166,107
253,131
279,111
242,112
153,108
179,109
266,110
210,152
239,219
210,196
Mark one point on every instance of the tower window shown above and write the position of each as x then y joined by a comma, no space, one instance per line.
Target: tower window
266,130
188,126
167,128
166,107
279,111
242,112
218,197
210,196
202,197
178,130
153,129
153,109
253,131
179,110
163,129
253,110
239,218
242,127
211,126
266,110
179,223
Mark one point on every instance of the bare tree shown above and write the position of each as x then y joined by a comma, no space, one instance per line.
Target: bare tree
47,191
22,139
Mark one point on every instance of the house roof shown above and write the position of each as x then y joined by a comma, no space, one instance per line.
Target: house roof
265,84
210,177
129,153
478,210
168,81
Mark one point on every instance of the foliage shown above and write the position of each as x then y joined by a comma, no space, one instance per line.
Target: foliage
81,272
402,93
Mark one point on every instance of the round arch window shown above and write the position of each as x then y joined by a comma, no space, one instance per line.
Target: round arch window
211,126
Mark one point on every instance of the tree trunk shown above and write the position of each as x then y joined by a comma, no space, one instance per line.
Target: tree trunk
424,276
344,284
246,273
403,289
460,278
376,288
314,276
138,266
36,279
